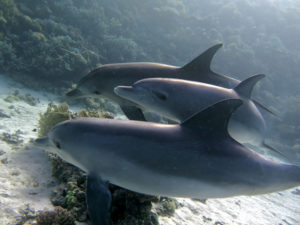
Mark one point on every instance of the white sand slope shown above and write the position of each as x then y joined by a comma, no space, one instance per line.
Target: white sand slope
25,179
277,208
25,174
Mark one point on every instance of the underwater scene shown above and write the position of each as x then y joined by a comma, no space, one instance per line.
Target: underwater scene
176,112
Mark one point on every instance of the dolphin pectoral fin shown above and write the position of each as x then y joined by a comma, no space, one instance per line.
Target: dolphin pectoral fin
133,113
203,61
264,144
98,199
246,86
264,108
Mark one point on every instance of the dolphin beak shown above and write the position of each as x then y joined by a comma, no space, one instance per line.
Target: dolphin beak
123,91
74,93
43,141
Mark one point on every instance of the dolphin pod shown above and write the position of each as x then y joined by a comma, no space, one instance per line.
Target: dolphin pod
178,99
196,158
102,80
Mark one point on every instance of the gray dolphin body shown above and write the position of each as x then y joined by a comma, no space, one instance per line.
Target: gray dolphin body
196,159
178,99
102,80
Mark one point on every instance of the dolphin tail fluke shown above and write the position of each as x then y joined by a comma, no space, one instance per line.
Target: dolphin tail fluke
257,103
264,144
202,62
246,86
215,117
98,199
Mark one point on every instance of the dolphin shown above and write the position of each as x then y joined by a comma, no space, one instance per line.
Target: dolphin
194,159
178,99
102,80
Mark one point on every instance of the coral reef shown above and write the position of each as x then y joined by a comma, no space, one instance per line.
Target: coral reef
58,41
4,161
132,208
94,104
2,152
70,194
14,138
52,41
98,114
53,115
166,206
16,96
26,214
59,216
3,115
58,113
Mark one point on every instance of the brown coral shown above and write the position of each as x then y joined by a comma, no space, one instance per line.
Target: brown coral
59,216
53,115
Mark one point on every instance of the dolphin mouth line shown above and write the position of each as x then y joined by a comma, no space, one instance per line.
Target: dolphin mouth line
124,91
75,93
120,88
42,141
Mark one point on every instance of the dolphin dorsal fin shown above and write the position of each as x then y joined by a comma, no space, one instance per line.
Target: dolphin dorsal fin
203,61
246,86
215,117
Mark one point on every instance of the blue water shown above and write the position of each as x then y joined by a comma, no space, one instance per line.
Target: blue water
48,46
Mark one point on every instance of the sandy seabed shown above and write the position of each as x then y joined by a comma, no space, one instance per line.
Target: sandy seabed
26,182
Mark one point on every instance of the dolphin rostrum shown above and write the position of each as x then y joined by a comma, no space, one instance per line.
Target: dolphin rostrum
178,99
194,159
102,80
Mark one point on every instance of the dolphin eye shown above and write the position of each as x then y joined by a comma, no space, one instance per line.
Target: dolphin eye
160,95
96,92
57,144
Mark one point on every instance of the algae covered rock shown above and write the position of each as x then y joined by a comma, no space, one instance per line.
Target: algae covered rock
8,13
132,208
53,115
95,113
58,113
16,96
166,206
25,215
70,194
14,138
59,216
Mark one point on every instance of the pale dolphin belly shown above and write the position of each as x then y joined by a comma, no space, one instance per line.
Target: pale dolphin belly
146,181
